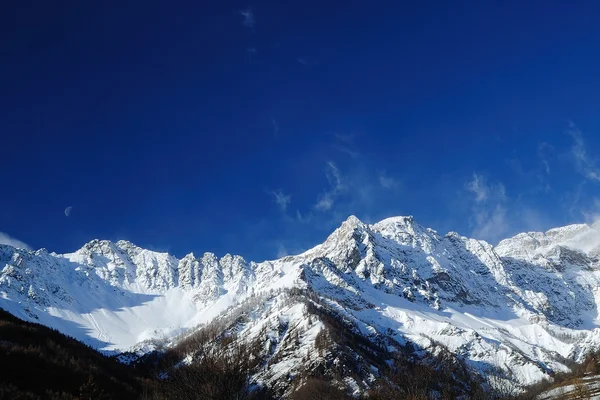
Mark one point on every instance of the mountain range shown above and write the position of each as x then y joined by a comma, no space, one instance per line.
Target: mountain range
523,310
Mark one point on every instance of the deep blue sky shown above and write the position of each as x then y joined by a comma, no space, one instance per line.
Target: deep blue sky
256,128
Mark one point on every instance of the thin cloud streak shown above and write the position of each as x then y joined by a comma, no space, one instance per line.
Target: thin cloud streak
489,213
388,182
545,151
249,20
275,126
11,241
478,187
281,199
327,199
345,144
584,164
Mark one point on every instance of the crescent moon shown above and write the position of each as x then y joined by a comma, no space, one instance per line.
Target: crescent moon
68,210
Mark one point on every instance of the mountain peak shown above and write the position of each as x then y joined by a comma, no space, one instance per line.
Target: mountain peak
98,245
407,220
352,221
350,227
394,226
189,257
581,237
123,244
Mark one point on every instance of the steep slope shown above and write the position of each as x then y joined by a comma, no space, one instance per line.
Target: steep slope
40,363
524,308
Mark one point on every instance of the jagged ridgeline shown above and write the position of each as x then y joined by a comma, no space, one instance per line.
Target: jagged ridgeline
370,300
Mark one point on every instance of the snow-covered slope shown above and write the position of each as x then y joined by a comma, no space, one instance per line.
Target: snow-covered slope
525,307
114,295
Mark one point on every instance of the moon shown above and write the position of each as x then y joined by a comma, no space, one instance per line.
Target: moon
68,210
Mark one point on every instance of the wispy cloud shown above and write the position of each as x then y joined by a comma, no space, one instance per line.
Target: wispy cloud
282,251
545,151
347,150
532,219
345,138
325,202
592,213
281,199
478,187
249,20
491,224
275,126
489,216
388,182
344,143
327,199
572,200
11,241
303,218
584,164
306,63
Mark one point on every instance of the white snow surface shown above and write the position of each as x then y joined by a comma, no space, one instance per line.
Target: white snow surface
524,306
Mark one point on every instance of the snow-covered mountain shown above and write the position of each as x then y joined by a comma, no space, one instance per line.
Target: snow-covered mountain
525,307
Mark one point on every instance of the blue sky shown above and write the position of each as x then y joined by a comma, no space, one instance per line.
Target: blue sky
257,128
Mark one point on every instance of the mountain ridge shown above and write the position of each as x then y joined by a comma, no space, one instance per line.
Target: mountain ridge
526,306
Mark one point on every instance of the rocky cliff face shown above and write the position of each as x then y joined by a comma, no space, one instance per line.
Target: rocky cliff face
525,307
